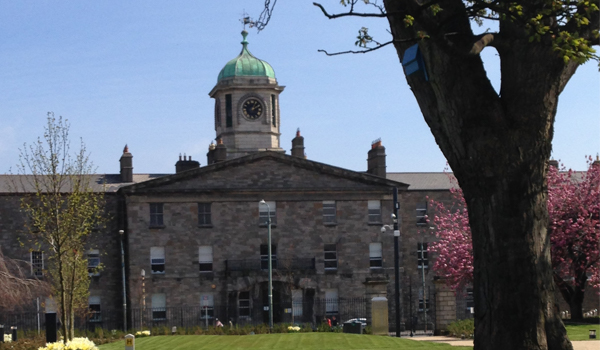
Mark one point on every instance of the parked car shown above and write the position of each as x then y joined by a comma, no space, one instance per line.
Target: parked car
357,320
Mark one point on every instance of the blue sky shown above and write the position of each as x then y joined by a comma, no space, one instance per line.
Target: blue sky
139,73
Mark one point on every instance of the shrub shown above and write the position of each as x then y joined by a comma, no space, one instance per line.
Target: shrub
462,328
73,344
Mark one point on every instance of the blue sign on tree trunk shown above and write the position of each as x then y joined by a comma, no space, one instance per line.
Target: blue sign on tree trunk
413,62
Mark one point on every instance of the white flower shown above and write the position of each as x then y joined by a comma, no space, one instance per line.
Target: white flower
80,344
73,344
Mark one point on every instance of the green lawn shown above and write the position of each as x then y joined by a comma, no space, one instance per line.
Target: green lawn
300,341
582,332
304,341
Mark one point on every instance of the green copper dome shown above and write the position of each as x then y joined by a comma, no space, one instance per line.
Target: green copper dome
246,65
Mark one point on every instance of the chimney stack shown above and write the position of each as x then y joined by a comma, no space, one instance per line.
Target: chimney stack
553,162
298,146
220,151
376,159
126,165
186,164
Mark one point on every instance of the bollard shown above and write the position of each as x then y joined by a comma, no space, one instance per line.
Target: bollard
14,333
130,342
51,325
1,333
592,334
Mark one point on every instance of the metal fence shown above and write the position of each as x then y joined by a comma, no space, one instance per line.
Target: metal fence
256,312
311,311
85,321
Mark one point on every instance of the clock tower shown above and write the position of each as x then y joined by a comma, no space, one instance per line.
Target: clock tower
247,105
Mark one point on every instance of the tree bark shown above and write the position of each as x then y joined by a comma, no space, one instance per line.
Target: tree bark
498,146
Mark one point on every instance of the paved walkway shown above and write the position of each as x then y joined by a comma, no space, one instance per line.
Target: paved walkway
577,345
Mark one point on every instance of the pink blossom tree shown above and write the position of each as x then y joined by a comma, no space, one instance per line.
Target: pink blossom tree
574,211
574,231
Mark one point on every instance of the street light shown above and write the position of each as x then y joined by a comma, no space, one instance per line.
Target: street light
122,236
143,273
396,229
270,291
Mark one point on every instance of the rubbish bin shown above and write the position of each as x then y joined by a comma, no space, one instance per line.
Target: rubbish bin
353,327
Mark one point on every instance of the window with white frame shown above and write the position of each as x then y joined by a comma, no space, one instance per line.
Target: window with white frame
297,303
422,255
469,302
330,259
263,213
93,259
157,259
156,214
37,263
244,304
159,306
421,213
204,214
205,258
207,306
374,212
375,255
95,310
421,300
331,301
264,256
329,213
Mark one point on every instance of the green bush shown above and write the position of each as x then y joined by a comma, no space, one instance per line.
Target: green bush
462,328
281,328
31,342
306,328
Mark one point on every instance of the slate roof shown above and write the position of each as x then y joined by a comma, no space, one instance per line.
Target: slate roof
425,181
100,182
440,181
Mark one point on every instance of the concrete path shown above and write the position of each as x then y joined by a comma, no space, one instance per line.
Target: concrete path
577,345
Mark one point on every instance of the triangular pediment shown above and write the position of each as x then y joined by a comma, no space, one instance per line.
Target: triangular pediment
266,170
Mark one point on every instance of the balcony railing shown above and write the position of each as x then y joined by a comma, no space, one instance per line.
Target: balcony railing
293,264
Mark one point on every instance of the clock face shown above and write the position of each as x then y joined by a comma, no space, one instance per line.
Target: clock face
252,108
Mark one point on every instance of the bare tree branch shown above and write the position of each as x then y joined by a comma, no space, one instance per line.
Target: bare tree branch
16,288
363,51
350,13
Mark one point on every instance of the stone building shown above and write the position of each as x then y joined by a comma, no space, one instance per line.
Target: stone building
196,241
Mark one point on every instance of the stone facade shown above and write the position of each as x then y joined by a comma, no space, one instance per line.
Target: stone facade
17,243
234,188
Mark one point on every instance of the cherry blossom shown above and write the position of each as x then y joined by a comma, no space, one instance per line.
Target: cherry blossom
574,230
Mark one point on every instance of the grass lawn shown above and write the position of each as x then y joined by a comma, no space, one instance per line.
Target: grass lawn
304,341
582,332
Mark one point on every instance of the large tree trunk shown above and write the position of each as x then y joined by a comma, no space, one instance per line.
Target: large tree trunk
498,146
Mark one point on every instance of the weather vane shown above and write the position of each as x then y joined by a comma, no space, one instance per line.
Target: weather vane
246,20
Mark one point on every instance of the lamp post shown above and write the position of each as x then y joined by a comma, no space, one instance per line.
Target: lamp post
122,236
396,229
143,299
270,291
